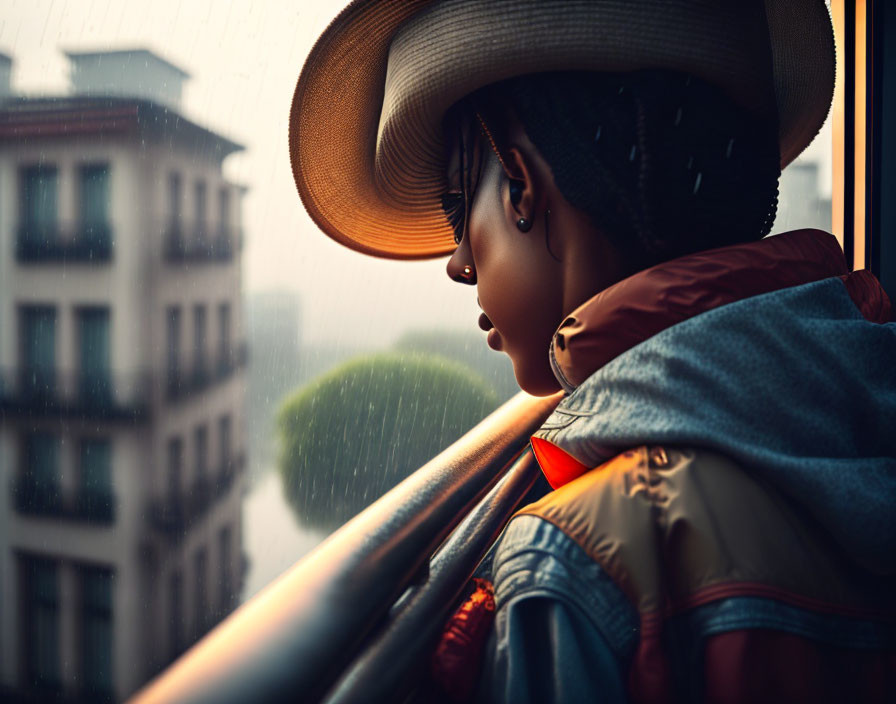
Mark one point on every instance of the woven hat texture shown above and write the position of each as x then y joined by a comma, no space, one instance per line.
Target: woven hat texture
365,129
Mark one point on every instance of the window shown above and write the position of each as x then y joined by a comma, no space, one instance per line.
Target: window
172,319
175,208
225,579
38,350
95,496
200,610
224,355
200,214
224,238
39,199
200,343
38,491
201,439
96,631
224,447
95,384
40,613
176,601
175,470
94,204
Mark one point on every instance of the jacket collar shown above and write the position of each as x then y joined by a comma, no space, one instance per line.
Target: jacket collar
637,308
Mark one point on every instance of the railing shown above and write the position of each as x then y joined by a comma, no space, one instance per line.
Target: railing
50,392
355,620
79,242
203,244
40,499
172,515
181,383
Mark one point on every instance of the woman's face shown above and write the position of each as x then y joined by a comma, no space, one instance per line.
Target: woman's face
519,284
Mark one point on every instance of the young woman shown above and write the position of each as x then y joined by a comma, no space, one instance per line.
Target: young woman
723,462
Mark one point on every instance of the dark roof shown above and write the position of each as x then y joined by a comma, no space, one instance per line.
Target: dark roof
35,118
137,53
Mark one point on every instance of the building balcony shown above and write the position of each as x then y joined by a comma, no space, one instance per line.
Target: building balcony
80,243
200,244
48,392
33,498
172,515
183,383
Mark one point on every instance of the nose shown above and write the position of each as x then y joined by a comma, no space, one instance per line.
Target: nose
460,267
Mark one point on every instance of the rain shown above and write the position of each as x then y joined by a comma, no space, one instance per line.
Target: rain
197,386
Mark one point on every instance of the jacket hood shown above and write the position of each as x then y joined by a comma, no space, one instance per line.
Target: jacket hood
650,301
797,385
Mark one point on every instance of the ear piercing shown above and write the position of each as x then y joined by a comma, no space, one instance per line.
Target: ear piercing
524,224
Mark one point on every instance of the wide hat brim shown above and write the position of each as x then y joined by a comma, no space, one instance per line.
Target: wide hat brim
365,128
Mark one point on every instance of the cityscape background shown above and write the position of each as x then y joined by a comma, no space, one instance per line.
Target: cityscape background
203,273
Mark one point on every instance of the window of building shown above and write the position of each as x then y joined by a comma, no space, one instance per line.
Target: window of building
96,499
96,631
224,447
175,469
224,217
200,216
95,383
225,577
200,611
40,616
200,343
39,490
200,435
175,233
172,347
93,202
224,350
38,349
39,202
176,623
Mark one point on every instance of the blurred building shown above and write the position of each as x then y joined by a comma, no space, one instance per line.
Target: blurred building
122,422
800,201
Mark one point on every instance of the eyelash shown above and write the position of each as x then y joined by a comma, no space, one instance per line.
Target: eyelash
453,207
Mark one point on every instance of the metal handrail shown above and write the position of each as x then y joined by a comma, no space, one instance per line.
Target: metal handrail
303,635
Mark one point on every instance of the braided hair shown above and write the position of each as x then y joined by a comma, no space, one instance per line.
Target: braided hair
663,163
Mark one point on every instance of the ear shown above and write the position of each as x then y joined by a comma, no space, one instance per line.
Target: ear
520,190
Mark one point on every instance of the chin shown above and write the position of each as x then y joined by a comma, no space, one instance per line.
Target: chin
536,380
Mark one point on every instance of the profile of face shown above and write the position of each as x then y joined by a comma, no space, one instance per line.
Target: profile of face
527,279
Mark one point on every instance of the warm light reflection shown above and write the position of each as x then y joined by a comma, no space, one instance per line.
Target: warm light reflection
860,126
838,161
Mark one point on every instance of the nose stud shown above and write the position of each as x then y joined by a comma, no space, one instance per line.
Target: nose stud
468,271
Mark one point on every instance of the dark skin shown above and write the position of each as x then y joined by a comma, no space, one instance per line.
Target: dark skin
525,289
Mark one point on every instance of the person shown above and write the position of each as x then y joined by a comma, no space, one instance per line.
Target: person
722,461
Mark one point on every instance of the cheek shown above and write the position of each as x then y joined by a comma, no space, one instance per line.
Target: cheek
519,291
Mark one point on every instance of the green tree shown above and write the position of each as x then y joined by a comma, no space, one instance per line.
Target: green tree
470,350
354,433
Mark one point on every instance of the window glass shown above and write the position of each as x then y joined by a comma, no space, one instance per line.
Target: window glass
40,601
200,343
38,345
172,348
94,354
39,203
95,480
96,631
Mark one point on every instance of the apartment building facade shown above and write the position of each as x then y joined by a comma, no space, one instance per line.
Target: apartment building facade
122,358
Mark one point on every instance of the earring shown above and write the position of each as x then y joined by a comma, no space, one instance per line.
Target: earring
524,224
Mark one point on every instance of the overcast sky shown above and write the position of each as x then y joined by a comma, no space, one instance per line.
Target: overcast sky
244,57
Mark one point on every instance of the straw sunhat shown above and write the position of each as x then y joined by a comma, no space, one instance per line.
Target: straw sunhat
365,133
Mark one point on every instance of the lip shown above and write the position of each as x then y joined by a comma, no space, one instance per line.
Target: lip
494,337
